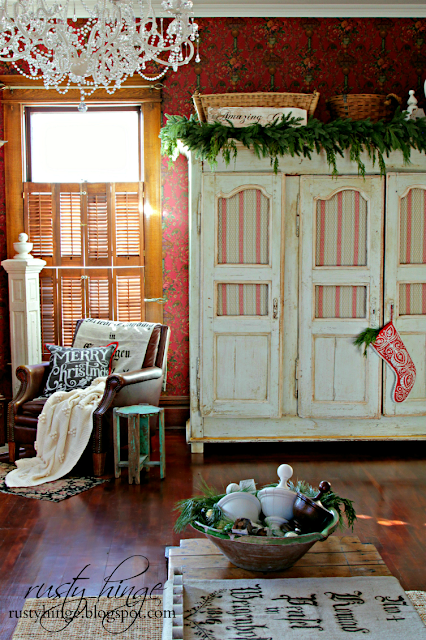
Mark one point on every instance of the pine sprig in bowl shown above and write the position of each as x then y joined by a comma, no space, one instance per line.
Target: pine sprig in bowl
198,508
332,501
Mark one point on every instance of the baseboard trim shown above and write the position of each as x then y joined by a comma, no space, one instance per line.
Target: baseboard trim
176,411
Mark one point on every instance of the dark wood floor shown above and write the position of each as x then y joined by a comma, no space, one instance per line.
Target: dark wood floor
50,543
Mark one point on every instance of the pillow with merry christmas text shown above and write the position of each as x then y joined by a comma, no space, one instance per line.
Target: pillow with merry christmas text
72,368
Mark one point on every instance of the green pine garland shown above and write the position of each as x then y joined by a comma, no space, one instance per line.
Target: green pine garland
281,138
365,338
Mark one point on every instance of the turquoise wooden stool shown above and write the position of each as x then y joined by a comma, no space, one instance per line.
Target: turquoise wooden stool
139,440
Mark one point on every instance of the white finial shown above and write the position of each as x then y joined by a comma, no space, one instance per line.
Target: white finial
23,248
411,104
284,472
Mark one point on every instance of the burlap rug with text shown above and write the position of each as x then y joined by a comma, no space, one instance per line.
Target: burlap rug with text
299,609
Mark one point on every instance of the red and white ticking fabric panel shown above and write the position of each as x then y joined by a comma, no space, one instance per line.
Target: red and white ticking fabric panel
391,348
242,300
243,228
340,301
412,248
412,299
341,230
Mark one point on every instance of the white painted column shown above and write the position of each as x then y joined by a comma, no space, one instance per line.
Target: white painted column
24,306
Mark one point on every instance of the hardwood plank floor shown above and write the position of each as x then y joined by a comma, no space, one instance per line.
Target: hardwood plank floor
45,544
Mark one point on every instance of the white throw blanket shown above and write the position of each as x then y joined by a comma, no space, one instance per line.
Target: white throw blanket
63,431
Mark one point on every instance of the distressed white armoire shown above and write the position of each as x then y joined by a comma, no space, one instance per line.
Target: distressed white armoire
285,270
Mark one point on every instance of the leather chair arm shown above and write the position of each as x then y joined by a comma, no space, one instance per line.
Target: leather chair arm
117,381
132,377
32,378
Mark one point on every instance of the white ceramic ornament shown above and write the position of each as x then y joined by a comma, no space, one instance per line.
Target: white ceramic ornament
239,504
232,487
278,501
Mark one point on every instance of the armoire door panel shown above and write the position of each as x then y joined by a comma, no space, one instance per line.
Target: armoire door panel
405,282
334,380
240,365
340,267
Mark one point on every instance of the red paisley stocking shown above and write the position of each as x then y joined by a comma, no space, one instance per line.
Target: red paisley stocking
390,347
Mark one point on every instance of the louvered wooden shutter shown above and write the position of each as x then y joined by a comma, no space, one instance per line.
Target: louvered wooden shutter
130,295
91,235
97,219
127,202
38,217
68,199
48,306
99,295
71,290
128,258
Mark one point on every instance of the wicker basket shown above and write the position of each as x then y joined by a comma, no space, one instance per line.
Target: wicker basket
306,101
362,106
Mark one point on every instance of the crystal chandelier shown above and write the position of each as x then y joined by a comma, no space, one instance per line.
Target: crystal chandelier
117,39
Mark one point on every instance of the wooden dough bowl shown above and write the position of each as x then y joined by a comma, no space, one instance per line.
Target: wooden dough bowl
256,553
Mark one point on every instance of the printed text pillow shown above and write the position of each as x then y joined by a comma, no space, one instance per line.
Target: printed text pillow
72,368
133,338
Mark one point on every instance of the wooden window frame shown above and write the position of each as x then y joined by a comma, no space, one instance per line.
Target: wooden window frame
19,93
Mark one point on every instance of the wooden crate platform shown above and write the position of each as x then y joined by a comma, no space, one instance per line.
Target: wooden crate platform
335,557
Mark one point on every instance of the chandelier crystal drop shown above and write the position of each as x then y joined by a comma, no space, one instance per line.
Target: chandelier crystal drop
115,40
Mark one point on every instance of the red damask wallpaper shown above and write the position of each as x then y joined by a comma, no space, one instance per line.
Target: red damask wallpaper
357,55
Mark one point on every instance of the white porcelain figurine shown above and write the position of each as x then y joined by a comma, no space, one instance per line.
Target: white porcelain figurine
277,502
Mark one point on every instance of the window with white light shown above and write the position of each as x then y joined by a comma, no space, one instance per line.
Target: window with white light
101,145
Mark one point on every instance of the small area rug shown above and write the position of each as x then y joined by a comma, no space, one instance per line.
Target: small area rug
418,598
52,491
91,619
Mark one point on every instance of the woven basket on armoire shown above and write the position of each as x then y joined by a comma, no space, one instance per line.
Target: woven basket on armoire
364,105
307,101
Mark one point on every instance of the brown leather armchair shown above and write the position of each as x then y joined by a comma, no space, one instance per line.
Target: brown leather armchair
122,390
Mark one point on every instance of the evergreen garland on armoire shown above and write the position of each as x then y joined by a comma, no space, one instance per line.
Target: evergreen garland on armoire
286,137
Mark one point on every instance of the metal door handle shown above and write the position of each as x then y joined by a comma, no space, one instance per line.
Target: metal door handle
275,308
374,313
